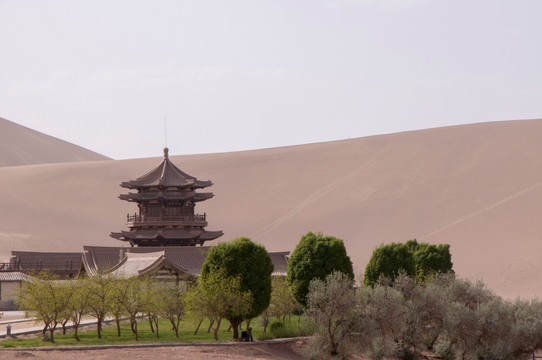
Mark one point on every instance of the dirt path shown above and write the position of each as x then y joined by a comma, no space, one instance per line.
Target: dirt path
290,350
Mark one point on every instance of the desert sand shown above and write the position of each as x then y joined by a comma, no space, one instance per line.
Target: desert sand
477,187
20,145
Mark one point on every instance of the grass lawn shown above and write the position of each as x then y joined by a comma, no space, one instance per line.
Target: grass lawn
167,335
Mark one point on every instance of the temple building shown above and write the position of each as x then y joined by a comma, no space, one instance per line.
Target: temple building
166,198
161,238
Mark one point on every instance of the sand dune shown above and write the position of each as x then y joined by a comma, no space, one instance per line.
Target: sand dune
477,187
20,145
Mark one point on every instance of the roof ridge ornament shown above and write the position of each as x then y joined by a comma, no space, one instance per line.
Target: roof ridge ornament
166,153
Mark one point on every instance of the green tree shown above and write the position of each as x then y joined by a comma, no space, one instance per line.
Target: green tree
173,308
282,300
252,264
218,295
78,304
388,261
315,257
101,292
430,259
45,299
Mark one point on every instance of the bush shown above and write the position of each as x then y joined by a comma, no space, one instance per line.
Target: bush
381,348
444,350
315,257
275,327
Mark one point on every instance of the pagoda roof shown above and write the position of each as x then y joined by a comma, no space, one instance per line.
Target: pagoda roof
167,234
166,175
135,261
166,195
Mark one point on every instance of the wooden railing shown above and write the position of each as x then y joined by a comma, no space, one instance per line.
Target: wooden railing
143,219
39,265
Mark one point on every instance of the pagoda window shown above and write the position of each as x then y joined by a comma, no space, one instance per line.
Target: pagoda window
170,210
154,211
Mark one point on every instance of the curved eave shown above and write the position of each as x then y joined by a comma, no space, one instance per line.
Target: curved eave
166,175
161,195
167,234
211,235
203,196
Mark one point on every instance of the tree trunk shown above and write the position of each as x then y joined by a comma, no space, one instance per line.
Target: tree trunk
99,327
51,333
150,322
235,325
155,320
197,328
117,321
216,328
211,322
136,334
76,328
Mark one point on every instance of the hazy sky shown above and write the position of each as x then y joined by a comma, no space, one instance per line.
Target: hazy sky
233,75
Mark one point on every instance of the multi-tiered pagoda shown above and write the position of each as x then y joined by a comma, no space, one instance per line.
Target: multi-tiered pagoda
166,197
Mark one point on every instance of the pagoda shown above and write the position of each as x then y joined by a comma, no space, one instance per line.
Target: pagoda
166,197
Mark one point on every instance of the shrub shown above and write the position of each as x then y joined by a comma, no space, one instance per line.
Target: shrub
275,327
315,257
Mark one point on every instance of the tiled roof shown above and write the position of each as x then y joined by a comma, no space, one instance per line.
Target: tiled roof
58,262
166,175
6,276
188,259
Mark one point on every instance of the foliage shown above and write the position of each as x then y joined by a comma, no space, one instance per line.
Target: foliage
430,259
79,303
330,306
46,299
387,261
251,264
101,292
172,307
275,327
421,260
316,256
218,295
282,301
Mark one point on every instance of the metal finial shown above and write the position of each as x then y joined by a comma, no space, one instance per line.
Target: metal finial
166,152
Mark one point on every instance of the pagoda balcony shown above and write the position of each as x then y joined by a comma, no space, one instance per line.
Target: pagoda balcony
142,220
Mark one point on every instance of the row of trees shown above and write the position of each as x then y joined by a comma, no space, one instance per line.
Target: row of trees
235,284
57,302
454,318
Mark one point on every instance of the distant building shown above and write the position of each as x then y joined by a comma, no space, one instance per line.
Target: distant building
162,236
166,197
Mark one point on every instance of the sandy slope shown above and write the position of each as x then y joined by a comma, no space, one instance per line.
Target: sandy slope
477,187
20,145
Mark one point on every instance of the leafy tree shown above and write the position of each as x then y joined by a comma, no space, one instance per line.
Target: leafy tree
45,299
101,291
430,259
251,263
315,257
173,308
388,261
282,300
136,298
218,295
78,304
